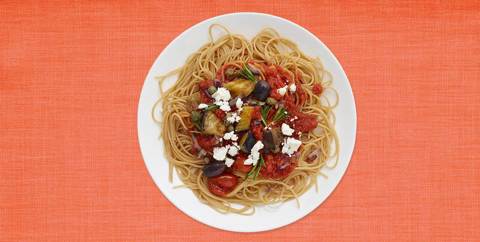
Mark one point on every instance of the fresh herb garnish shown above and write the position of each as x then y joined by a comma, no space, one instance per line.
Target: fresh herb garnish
247,74
211,107
264,112
280,115
256,169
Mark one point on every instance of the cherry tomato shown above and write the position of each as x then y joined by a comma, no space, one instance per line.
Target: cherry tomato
277,166
223,184
206,142
317,89
239,166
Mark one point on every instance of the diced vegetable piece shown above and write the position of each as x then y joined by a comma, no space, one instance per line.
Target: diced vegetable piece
277,139
213,125
197,120
261,90
240,87
243,139
211,90
268,141
245,118
249,142
214,169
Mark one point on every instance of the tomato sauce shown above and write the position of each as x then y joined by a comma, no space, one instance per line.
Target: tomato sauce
277,166
223,184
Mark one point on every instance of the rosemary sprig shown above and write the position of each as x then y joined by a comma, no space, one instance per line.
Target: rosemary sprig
211,107
247,74
264,112
256,169
280,115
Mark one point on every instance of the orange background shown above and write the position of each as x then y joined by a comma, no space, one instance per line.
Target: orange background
70,79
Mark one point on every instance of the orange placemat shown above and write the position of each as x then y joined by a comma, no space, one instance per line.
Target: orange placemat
70,79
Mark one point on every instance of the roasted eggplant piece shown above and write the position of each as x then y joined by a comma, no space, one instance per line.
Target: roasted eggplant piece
245,118
268,144
247,142
240,87
213,125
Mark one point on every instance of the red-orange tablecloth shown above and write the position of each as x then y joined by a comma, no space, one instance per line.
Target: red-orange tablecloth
70,78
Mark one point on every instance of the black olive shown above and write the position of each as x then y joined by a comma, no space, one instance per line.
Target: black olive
261,91
249,142
214,168
268,141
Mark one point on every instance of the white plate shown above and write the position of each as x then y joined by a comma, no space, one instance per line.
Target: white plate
265,217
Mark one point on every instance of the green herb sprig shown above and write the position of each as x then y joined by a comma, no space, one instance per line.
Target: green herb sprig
247,74
264,111
256,169
211,107
280,115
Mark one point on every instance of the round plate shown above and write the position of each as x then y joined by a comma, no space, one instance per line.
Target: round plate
265,217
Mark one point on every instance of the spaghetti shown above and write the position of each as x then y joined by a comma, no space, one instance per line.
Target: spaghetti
234,158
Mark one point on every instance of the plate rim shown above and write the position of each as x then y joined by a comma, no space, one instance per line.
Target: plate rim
336,62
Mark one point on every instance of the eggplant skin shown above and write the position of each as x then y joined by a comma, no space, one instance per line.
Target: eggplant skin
249,142
261,90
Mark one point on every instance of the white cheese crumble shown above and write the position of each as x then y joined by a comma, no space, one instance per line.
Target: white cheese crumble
220,153
286,130
230,136
239,104
224,106
229,162
202,106
282,90
233,118
292,87
290,146
233,151
254,154
221,96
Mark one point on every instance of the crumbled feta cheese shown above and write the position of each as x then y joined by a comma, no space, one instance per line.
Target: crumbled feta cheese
292,87
223,105
202,106
239,103
222,94
282,90
219,153
290,146
232,118
293,119
233,151
230,136
236,145
286,130
254,154
229,161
